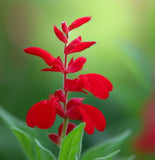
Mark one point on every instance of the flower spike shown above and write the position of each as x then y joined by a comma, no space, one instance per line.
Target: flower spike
43,113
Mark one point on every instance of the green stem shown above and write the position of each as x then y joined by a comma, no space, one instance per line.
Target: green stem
65,122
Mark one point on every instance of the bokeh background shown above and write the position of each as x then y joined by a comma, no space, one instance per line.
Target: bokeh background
124,53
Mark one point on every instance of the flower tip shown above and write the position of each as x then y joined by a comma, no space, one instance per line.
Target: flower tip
54,27
25,50
90,17
80,38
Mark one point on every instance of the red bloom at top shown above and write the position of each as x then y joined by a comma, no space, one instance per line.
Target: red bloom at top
43,113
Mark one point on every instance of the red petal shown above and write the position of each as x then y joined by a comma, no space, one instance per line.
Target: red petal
46,56
78,22
81,46
64,27
89,128
60,35
76,65
73,104
74,85
95,115
60,94
60,111
58,107
71,45
54,138
75,114
70,127
57,66
42,115
97,84
60,129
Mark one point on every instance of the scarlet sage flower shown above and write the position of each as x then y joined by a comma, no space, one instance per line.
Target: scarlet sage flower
97,84
77,46
43,113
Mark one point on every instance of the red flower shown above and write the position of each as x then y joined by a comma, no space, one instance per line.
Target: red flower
60,35
97,84
46,56
57,66
56,63
90,115
42,115
55,138
64,27
74,85
76,65
60,94
78,22
72,44
77,46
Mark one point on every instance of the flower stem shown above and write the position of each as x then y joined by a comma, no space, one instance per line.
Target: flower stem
65,122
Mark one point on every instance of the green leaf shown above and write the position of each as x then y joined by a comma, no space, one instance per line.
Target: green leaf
26,136
13,122
71,145
42,152
110,156
25,141
105,148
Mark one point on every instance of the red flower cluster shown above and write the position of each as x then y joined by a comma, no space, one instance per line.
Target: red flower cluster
43,113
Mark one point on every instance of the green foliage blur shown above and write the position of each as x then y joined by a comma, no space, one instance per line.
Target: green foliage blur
124,53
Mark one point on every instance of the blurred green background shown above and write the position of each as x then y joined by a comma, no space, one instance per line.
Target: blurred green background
124,53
